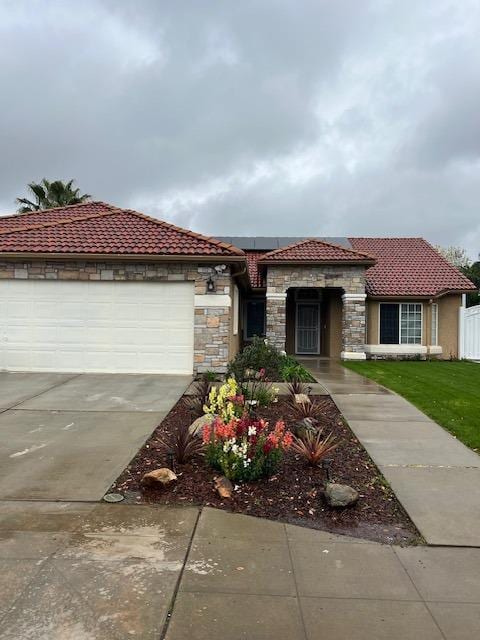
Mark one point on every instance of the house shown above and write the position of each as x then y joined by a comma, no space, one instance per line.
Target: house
96,288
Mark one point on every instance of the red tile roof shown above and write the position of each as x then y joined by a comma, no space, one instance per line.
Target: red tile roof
409,267
96,227
18,220
314,250
404,267
256,278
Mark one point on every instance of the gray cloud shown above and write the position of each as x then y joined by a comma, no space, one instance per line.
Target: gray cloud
252,117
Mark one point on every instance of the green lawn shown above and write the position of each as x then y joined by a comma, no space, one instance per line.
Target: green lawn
448,392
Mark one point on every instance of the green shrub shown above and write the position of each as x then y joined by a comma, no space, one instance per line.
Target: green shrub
258,355
210,376
265,395
259,392
291,370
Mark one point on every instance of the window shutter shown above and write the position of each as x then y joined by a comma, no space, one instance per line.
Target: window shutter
389,324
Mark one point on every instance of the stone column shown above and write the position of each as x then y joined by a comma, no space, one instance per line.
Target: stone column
276,319
353,326
213,317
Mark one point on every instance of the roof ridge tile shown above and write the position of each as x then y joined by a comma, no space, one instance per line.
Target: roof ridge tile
56,223
9,216
73,229
192,234
324,243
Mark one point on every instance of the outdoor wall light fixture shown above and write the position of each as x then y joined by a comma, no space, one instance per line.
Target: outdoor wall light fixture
210,285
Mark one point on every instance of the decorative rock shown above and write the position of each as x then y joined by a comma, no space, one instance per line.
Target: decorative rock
223,486
305,426
340,495
197,426
302,398
163,476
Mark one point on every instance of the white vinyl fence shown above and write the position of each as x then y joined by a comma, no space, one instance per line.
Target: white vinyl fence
470,333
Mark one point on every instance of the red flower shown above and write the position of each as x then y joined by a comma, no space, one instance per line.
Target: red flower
287,440
267,447
273,440
261,425
206,433
224,431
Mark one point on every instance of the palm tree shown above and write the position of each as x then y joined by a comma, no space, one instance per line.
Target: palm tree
48,195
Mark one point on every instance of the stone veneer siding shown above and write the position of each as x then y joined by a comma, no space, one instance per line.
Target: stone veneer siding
351,279
212,325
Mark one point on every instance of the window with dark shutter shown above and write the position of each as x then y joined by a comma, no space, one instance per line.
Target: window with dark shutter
389,324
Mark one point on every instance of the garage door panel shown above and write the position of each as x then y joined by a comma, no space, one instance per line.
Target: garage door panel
16,309
96,327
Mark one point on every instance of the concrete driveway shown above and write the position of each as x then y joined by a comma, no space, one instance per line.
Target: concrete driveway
67,436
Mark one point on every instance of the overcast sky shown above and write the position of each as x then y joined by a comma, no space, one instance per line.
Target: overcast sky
301,117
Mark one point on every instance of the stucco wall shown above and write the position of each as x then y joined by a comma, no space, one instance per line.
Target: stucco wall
213,311
372,321
448,312
335,327
235,322
448,307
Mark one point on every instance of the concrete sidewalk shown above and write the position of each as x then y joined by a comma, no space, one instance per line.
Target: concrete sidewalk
259,580
111,572
435,477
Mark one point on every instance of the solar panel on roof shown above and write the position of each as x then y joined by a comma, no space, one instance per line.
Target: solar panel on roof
263,243
242,242
269,243
247,243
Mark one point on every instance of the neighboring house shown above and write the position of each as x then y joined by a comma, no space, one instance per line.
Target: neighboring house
92,287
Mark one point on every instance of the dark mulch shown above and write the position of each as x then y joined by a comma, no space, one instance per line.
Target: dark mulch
293,495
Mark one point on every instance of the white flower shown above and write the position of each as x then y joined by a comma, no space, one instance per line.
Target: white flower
283,353
252,431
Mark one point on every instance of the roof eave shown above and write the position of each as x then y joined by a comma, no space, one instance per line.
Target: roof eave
153,257
366,262
425,296
446,292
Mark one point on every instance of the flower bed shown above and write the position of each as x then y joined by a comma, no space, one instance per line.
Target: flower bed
245,449
290,492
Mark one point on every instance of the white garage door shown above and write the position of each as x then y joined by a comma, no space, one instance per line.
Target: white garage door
124,327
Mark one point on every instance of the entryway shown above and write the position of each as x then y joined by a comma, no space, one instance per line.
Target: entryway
307,338
313,323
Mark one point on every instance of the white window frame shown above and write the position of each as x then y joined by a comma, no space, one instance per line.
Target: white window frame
434,325
411,344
